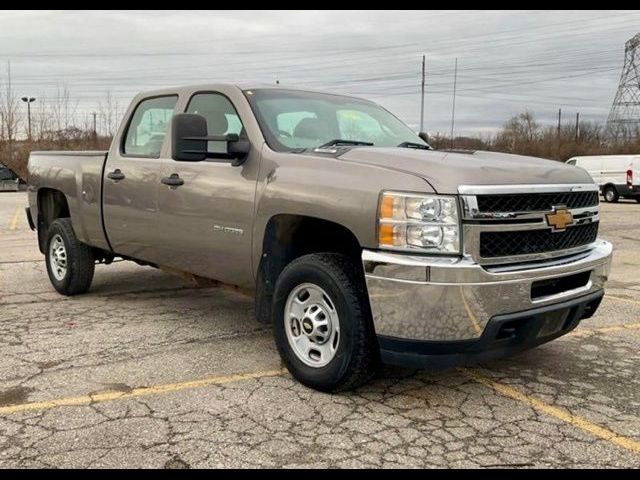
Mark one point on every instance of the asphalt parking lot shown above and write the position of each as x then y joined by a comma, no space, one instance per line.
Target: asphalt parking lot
148,370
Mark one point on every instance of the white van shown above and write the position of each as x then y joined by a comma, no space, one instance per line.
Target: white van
617,175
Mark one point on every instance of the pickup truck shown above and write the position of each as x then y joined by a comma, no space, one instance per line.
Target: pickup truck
361,244
8,179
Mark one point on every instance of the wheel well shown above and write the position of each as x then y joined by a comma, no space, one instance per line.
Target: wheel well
288,237
52,204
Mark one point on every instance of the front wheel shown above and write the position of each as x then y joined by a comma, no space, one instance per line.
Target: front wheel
322,323
70,263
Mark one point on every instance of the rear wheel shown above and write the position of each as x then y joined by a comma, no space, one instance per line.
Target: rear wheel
322,323
611,194
70,263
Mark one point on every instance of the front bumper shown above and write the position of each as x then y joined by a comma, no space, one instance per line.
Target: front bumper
503,336
444,299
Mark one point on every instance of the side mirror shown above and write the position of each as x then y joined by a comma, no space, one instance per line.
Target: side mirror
424,136
190,141
188,132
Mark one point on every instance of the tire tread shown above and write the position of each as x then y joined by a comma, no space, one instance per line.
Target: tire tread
81,263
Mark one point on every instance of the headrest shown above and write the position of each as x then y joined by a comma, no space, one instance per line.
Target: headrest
311,128
216,121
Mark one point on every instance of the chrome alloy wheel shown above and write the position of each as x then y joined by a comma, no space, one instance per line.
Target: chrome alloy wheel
58,258
312,325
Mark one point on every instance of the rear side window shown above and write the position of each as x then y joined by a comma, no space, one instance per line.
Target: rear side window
571,162
148,127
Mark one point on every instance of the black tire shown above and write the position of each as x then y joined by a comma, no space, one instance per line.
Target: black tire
610,194
357,354
80,261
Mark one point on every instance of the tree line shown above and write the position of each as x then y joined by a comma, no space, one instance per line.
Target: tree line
522,134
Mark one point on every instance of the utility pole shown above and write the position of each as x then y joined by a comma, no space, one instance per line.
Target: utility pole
94,133
453,109
559,120
9,118
422,97
577,126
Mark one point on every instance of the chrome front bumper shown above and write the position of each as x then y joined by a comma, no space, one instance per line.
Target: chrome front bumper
451,299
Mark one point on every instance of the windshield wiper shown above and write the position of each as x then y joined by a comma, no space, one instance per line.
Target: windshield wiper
338,141
418,146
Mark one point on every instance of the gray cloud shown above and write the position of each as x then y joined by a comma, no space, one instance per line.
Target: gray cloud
508,61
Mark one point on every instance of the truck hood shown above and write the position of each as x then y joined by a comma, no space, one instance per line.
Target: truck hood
446,171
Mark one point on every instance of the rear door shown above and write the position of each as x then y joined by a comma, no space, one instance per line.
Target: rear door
132,179
209,218
614,170
635,171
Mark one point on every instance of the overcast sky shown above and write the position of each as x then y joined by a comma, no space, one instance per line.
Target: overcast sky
507,61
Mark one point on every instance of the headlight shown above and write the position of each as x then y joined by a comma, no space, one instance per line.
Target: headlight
419,222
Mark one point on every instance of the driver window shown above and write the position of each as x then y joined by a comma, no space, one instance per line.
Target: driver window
148,127
221,116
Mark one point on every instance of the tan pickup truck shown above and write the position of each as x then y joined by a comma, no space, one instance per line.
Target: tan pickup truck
362,244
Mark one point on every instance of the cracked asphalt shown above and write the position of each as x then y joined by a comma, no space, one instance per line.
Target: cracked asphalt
148,370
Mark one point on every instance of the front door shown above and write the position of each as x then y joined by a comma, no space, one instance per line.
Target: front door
209,217
132,180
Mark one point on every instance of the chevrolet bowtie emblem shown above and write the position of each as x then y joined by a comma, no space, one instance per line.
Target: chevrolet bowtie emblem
559,219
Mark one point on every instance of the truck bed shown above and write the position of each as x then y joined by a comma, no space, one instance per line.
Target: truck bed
78,175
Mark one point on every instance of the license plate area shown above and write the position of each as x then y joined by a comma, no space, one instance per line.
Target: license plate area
554,322
554,286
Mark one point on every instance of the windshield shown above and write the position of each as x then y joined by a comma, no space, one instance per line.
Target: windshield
293,120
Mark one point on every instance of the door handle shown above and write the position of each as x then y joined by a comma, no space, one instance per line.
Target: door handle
173,180
116,175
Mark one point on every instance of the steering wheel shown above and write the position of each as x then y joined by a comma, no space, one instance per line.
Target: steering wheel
282,133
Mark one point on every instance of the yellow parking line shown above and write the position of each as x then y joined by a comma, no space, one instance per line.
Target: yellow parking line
14,220
537,404
137,392
622,299
608,329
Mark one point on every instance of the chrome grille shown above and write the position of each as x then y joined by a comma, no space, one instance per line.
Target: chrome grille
527,202
508,224
527,242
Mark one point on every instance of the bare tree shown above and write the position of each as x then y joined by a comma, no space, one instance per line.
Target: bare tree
41,120
110,112
63,109
10,123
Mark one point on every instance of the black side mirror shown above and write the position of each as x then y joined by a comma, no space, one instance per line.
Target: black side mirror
190,141
424,136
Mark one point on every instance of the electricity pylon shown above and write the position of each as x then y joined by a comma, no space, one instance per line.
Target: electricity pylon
624,118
